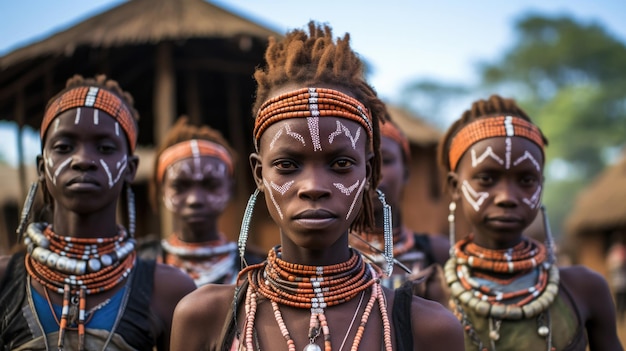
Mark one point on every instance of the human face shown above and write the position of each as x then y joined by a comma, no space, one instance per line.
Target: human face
197,189
313,172
394,175
85,160
498,184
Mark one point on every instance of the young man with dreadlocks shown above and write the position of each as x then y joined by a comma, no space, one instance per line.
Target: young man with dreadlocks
317,138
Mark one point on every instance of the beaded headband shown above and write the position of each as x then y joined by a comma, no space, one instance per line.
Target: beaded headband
489,127
192,148
310,102
391,131
94,97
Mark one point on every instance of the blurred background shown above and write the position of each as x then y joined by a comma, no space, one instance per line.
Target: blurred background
563,60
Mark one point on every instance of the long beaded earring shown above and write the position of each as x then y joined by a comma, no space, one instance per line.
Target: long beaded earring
28,206
245,226
451,224
387,232
549,239
130,201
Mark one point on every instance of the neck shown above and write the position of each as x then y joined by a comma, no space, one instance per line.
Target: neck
101,224
336,253
201,232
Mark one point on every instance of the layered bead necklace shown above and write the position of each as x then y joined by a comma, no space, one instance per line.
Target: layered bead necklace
471,265
314,288
206,262
75,268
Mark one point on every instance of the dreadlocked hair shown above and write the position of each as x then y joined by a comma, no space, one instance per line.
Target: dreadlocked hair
183,130
495,105
100,81
313,59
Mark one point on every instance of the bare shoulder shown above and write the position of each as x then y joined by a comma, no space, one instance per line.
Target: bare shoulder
200,318
434,326
582,279
171,283
208,304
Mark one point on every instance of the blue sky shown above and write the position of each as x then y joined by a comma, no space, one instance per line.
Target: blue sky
401,40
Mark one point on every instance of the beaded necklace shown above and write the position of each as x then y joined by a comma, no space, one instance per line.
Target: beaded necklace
205,262
314,288
403,242
75,268
470,263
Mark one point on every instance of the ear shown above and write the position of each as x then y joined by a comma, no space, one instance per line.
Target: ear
256,163
41,168
131,168
452,182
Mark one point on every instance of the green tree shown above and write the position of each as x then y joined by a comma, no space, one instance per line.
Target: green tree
569,76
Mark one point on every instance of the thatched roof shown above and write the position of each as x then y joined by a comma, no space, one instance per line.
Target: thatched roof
416,129
140,22
601,206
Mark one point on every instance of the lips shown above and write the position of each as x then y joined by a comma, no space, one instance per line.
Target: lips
505,222
83,183
314,219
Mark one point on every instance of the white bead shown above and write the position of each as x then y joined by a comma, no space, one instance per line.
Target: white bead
312,347
543,330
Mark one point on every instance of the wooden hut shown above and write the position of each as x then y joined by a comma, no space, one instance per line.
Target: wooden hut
596,233
598,218
174,56
424,207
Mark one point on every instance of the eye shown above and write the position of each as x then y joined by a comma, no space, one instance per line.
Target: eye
107,148
342,164
528,180
388,159
62,147
485,179
284,165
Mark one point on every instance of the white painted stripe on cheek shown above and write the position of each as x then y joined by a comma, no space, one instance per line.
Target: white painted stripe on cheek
269,190
533,202
60,168
356,196
474,198
282,189
106,169
346,191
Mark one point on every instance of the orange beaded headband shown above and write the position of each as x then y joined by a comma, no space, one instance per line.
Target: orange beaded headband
192,148
489,127
311,102
94,97
392,131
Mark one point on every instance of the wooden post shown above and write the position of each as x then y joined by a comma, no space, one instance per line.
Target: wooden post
164,110
194,108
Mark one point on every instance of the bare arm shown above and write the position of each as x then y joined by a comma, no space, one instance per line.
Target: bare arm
592,296
200,317
170,286
434,327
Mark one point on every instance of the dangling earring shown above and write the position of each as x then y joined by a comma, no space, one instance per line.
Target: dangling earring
549,239
28,205
130,203
452,230
387,232
245,226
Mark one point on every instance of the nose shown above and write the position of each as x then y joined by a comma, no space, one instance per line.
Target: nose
195,198
506,195
82,161
313,187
